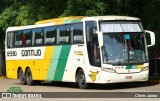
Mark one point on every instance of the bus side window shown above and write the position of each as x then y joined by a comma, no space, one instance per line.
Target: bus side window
50,35
63,35
38,36
78,33
10,39
27,37
18,39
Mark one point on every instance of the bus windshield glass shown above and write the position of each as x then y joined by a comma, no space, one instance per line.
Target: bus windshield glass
124,45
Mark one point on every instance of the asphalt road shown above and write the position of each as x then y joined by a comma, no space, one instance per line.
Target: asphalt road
117,90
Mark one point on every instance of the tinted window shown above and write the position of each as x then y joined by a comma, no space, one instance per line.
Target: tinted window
91,29
18,38
50,35
10,39
27,38
92,44
38,36
77,33
63,34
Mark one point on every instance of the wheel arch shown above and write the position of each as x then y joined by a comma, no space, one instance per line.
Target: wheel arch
79,68
19,68
26,69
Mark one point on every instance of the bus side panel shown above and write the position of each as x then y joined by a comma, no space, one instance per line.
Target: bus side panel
78,58
13,65
64,62
58,63
53,63
11,69
63,58
38,64
75,60
40,67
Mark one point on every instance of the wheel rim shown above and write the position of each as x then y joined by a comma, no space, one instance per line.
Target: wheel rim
81,79
20,76
28,76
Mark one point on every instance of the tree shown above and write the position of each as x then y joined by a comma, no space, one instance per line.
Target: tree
26,12
2,63
84,7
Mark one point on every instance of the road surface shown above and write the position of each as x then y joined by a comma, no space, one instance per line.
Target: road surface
117,90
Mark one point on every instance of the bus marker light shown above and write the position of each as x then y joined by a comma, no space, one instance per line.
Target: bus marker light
128,77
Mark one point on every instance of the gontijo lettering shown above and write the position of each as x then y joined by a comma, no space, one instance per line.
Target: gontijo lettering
31,52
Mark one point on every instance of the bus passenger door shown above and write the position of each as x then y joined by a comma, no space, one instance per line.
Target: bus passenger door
92,45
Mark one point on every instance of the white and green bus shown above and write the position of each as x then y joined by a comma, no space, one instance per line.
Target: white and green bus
98,49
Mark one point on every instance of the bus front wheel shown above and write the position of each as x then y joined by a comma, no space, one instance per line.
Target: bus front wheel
81,80
29,77
21,77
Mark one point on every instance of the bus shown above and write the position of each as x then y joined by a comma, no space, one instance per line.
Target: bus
80,49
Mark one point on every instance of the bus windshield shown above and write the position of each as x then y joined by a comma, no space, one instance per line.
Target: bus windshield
124,43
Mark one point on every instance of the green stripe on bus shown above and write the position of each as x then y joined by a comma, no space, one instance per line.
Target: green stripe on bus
132,67
62,62
76,20
67,21
129,67
72,21
54,62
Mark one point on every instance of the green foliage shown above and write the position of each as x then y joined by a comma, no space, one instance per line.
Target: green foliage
25,12
98,9
85,7
24,17
8,17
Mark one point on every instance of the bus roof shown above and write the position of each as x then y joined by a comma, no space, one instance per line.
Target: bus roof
62,20
97,18
72,19
29,26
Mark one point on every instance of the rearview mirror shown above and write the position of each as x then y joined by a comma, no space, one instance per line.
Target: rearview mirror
152,37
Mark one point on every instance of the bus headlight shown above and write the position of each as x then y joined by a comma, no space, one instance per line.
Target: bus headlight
144,68
110,70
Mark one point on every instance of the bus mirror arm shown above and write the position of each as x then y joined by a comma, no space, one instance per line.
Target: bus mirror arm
152,37
100,38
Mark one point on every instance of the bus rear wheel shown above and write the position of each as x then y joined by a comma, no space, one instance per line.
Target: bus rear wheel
81,80
29,77
21,77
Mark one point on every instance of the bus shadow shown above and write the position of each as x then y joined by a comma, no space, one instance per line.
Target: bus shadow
121,86
60,84
101,86
97,86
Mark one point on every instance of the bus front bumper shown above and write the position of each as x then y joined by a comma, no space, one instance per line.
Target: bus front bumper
106,77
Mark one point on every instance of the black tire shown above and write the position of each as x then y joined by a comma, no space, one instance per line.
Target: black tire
29,77
81,80
122,85
21,77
